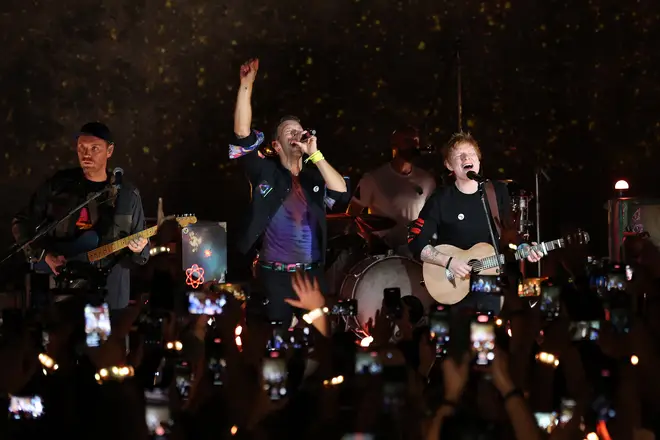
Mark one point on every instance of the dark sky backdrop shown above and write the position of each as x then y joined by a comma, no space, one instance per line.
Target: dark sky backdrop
570,84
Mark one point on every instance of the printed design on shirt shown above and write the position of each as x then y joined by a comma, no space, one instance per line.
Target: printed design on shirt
236,151
264,188
84,221
415,228
461,216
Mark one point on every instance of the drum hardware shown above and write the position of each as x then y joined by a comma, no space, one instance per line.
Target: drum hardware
365,223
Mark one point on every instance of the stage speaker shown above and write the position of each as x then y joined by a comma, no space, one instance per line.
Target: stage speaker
632,215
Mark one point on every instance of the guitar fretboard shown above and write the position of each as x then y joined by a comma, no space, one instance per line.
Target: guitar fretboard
118,245
521,254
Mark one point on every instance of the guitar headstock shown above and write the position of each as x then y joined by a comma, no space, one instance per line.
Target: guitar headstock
577,238
185,220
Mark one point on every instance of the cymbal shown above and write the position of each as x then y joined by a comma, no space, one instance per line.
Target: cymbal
372,222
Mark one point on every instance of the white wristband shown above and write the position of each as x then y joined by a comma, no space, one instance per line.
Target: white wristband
314,314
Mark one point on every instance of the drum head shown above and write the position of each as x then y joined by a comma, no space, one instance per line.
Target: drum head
371,276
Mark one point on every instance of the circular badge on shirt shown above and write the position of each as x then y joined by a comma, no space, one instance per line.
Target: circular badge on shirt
461,216
316,189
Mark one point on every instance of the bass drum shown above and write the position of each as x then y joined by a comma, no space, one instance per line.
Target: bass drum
367,280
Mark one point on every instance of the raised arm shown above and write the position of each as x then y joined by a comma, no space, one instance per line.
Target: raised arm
361,197
243,111
244,147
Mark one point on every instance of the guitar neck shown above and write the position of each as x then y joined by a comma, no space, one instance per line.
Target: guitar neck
118,245
542,248
521,254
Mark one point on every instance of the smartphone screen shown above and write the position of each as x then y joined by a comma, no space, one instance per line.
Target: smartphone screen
157,413
482,337
530,287
279,338
300,337
183,378
367,363
546,421
25,408
274,373
392,301
97,324
347,307
566,411
439,328
550,305
202,303
485,283
584,330
620,320
217,367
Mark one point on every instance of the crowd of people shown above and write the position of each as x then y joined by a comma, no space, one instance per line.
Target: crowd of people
541,381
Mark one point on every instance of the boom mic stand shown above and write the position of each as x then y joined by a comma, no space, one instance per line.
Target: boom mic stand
40,232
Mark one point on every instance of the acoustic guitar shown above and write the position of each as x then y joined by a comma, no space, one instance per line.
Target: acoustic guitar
85,248
446,288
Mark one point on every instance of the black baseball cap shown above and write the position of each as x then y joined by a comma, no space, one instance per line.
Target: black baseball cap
96,129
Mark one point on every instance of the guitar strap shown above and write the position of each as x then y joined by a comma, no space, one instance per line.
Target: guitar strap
494,208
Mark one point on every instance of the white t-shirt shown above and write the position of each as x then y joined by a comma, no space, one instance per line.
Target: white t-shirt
399,197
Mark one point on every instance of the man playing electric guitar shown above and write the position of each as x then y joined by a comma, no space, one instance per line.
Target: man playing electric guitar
107,219
455,213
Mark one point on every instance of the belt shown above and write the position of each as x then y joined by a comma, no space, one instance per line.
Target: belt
291,267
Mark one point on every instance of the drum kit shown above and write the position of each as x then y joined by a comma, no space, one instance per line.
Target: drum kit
379,268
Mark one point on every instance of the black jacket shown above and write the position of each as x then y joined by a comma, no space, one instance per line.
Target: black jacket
270,183
67,189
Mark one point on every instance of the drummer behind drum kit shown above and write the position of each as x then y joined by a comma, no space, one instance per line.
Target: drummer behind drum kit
364,284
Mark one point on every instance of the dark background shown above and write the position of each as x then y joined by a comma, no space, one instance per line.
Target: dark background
572,86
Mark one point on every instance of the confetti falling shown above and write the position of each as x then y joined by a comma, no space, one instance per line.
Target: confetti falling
571,85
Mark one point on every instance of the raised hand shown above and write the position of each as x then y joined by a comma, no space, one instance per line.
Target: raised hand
249,71
308,292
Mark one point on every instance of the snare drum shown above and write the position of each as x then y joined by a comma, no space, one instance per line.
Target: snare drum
366,281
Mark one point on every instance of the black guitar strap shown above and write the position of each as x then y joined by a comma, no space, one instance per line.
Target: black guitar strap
494,208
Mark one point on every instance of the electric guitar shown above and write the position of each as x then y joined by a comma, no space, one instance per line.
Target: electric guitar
85,248
446,288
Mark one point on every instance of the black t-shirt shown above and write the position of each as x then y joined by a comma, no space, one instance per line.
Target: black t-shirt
456,219
98,214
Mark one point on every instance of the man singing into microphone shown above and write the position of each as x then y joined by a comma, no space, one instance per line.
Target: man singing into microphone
455,213
286,223
112,216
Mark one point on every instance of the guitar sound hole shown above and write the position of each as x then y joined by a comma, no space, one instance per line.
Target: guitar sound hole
473,264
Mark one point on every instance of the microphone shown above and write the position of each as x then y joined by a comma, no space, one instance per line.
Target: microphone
118,175
476,177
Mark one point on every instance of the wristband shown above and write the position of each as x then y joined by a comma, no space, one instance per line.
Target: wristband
315,157
513,393
448,261
314,315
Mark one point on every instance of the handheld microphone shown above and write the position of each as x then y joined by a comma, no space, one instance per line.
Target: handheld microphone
476,177
118,175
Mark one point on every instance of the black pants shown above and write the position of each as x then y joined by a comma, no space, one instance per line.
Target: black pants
276,287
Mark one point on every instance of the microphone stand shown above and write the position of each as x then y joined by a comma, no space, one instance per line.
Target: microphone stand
489,219
40,232
537,177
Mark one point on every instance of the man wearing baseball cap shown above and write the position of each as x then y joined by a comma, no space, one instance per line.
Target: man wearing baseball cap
111,217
